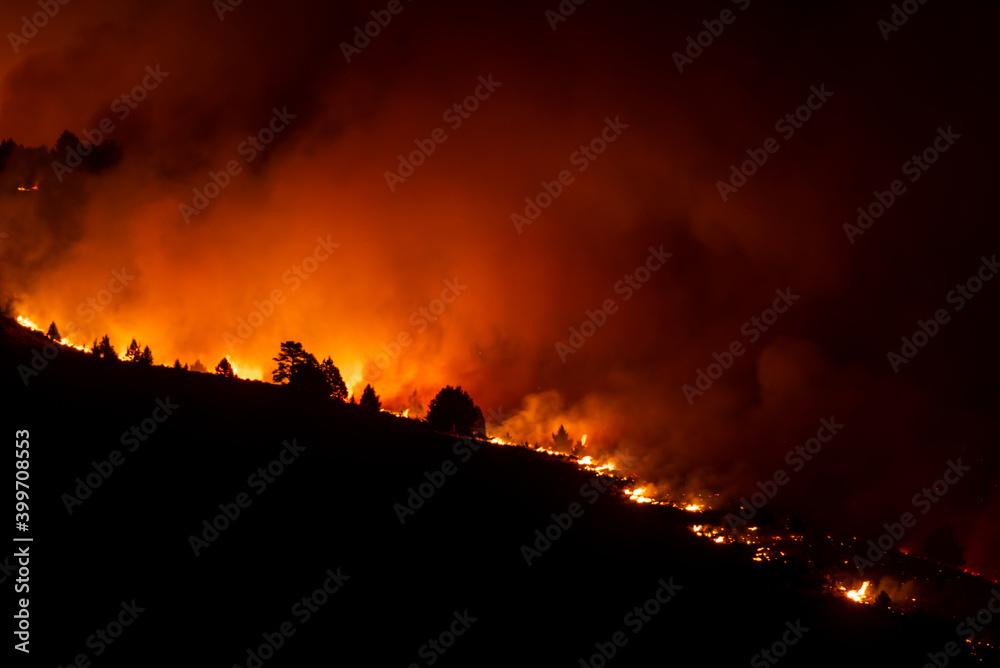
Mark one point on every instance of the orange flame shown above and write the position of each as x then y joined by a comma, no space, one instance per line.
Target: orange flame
858,594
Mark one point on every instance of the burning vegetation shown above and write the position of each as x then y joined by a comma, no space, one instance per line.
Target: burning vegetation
777,544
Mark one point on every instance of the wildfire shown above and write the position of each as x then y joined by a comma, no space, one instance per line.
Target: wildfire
715,534
66,342
30,324
26,322
25,189
639,495
858,595
236,372
594,464
589,464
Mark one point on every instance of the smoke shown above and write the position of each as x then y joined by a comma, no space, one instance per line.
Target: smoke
446,274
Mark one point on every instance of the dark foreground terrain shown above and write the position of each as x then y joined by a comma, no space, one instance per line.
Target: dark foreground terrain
117,580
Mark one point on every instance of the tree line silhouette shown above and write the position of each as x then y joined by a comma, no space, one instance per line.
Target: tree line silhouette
452,410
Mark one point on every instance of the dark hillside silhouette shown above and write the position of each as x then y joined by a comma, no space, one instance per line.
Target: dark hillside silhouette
319,485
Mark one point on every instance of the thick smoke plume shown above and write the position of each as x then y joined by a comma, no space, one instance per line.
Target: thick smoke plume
252,205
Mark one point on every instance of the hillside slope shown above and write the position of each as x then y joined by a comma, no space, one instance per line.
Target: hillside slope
326,514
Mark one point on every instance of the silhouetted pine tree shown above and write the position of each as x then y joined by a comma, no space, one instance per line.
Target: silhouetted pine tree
104,349
338,389
300,371
561,441
453,410
370,400
224,368
133,352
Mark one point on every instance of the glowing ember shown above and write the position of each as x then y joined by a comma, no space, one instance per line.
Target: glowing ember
638,495
693,507
24,190
583,441
405,414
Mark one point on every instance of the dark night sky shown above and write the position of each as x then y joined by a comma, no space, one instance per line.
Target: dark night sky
323,176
